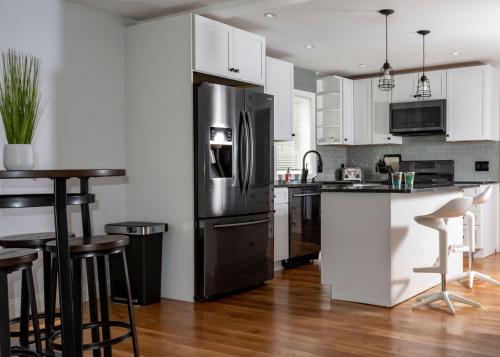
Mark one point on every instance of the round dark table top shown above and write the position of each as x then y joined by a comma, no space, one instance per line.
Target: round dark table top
26,174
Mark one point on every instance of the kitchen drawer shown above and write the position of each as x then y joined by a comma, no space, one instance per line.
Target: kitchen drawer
280,195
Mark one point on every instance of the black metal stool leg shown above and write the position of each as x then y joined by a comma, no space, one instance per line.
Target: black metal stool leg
103,297
51,312
28,274
131,317
94,313
77,299
25,312
47,267
4,316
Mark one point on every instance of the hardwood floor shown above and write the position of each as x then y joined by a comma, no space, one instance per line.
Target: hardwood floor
294,316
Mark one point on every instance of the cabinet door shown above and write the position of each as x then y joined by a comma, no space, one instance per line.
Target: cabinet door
362,112
380,116
437,80
405,86
213,47
347,110
464,105
279,83
249,54
280,232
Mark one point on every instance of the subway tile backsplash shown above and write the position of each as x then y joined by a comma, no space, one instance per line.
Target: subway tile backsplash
464,154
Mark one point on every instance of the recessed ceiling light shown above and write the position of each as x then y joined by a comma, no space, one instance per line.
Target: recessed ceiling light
309,46
456,53
270,15
362,65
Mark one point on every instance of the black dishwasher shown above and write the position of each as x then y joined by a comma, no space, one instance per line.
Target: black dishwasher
304,225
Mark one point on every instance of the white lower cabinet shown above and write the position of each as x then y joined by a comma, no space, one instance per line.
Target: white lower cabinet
280,224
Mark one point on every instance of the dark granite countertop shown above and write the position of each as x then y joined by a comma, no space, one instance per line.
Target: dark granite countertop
308,184
403,189
477,182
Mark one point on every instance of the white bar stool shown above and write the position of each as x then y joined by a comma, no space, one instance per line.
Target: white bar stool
438,220
470,245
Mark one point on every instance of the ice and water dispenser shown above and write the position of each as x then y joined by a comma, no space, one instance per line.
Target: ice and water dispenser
221,152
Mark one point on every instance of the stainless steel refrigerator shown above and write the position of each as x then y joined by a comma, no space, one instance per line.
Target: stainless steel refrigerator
234,243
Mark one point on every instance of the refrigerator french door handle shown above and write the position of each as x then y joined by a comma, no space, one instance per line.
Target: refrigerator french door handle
247,153
242,170
251,149
241,224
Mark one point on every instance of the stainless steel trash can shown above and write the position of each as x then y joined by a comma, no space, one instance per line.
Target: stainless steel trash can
144,255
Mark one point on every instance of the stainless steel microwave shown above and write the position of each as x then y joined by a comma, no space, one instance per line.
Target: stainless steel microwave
425,117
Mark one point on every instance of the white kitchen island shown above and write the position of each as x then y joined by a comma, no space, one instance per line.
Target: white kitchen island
370,242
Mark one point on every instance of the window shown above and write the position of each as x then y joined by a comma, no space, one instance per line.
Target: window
289,153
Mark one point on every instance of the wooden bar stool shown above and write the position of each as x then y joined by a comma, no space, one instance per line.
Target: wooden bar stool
98,247
438,220
36,241
470,245
12,260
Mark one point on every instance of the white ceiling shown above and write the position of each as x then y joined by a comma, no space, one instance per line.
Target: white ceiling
146,9
348,32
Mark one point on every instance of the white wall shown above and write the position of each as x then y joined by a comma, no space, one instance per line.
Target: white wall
160,165
83,87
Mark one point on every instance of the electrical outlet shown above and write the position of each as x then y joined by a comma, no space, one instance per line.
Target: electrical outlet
482,166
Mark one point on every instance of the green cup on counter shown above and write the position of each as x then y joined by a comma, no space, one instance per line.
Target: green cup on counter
409,179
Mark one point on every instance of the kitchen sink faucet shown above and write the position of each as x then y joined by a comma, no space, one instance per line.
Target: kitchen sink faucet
305,171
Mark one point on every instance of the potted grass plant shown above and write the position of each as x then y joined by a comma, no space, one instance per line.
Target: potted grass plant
19,108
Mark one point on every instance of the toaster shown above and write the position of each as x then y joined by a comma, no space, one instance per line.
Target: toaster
351,174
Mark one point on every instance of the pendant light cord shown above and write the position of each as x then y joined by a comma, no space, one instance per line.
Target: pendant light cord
386,38
423,55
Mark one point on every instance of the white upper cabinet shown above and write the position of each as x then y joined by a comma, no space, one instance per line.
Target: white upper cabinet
334,117
213,47
347,110
437,80
404,88
249,57
228,52
381,116
279,83
472,104
362,112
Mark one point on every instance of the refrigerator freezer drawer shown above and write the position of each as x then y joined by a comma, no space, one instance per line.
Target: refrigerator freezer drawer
233,253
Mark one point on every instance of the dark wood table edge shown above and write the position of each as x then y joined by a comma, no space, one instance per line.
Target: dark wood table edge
53,174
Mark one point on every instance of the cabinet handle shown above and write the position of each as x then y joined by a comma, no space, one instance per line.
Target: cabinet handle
345,139
231,69
388,138
237,70
447,135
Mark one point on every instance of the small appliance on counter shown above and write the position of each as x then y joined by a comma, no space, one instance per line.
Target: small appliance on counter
350,173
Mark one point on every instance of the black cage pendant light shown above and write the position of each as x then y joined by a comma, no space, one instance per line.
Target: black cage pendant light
386,77
423,85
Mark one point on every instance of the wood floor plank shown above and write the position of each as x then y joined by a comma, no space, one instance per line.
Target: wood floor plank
293,316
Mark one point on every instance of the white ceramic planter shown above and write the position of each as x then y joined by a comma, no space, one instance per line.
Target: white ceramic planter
18,157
